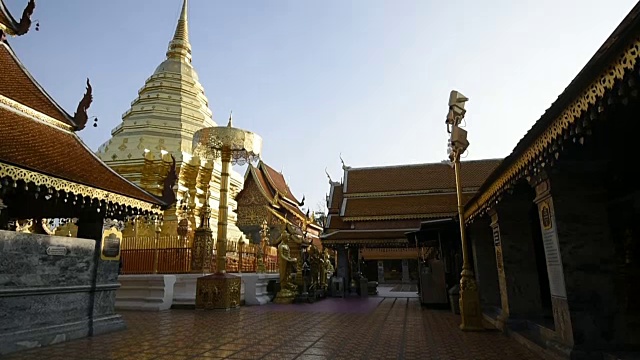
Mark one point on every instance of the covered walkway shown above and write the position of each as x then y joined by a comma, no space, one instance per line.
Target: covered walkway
353,328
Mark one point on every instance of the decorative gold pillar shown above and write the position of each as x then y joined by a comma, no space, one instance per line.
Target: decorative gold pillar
222,290
201,248
223,212
156,247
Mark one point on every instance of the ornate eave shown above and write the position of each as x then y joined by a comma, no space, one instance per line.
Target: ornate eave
398,217
17,173
537,151
368,242
252,170
36,115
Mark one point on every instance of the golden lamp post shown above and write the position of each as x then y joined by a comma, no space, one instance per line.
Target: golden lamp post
469,297
231,146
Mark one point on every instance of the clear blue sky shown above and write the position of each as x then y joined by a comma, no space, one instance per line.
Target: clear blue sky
366,78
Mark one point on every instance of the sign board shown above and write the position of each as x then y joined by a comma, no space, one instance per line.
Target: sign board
552,250
110,247
56,251
496,236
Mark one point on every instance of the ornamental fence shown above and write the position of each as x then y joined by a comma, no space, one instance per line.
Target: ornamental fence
172,255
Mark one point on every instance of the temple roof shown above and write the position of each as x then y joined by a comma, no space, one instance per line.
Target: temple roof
275,189
63,155
39,144
416,177
617,56
377,195
16,83
277,182
405,207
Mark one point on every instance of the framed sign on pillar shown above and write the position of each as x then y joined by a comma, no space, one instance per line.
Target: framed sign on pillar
111,244
502,279
553,257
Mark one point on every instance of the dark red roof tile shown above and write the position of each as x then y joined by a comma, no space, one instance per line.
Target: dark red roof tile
42,148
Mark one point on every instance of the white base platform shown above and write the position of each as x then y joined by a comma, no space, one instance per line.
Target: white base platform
256,288
145,292
161,292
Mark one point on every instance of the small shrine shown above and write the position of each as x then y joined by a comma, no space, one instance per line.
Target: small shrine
267,199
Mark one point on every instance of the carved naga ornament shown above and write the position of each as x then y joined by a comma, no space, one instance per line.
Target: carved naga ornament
13,27
80,117
25,20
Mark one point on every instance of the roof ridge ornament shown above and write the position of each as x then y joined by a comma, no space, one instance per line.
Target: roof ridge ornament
344,167
328,176
80,117
12,27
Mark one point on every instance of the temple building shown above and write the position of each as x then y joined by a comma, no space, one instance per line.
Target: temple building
373,208
555,227
159,125
266,198
55,288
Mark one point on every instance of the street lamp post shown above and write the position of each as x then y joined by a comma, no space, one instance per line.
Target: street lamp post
232,146
469,298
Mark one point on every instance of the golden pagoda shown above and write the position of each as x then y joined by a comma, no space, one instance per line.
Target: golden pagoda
159,125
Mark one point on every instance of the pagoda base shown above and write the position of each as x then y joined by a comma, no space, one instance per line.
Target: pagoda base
285,297
218,292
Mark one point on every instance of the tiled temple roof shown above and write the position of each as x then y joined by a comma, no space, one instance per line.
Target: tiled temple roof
39,147
17,84
277,181
417,177
38,137
405,207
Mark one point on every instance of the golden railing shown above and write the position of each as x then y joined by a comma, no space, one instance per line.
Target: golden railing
172,255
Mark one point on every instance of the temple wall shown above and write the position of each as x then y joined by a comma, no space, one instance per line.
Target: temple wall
484,259
589,261
46,298
516,245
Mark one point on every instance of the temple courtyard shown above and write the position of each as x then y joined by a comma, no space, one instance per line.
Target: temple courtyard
352,328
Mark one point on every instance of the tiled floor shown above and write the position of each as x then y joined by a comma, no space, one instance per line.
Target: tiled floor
370,328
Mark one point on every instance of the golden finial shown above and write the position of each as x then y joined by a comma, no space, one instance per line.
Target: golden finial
230,124
179,46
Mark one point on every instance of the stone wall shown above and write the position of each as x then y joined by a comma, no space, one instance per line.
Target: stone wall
46,291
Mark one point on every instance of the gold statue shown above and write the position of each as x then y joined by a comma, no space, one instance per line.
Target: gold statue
328,268
262,248
315,265
286,263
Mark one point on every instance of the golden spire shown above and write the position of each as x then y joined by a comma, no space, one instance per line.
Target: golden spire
230,124
179,46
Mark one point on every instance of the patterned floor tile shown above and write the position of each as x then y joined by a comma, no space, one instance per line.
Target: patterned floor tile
373,328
